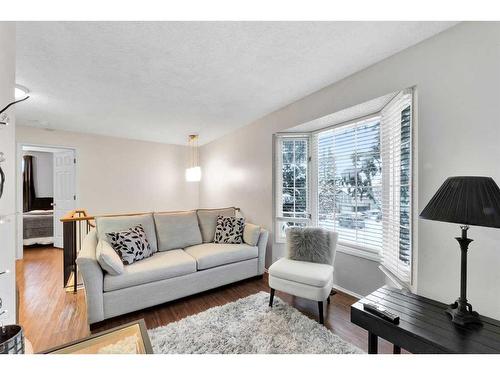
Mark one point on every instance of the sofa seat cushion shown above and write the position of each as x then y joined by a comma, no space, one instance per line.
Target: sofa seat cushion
210,255
160,266
314,274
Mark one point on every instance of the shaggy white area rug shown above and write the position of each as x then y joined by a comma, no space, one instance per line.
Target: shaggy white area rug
248,325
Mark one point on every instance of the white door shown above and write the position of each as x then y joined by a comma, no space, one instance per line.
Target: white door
64,190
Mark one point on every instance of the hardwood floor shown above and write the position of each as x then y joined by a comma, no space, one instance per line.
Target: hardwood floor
51,316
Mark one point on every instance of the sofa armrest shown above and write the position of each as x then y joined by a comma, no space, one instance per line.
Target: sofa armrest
93,277
262,245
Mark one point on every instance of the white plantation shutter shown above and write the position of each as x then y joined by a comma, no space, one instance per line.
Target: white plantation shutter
396,154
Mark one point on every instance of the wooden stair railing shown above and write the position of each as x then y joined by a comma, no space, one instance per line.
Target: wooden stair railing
76,225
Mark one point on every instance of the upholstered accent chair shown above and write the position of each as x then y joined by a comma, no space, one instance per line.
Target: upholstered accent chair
304,279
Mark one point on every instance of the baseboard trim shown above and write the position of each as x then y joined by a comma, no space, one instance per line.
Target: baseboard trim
346,291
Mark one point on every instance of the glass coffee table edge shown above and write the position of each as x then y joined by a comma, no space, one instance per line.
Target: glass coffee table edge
142,329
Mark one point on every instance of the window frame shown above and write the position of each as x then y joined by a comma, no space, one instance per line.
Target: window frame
350,248
277,181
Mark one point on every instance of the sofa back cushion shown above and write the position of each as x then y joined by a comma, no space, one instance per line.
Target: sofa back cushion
177,230
207,219
108,224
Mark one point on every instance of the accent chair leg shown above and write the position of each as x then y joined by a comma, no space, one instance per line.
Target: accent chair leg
372,343
396,350
271,298
320,308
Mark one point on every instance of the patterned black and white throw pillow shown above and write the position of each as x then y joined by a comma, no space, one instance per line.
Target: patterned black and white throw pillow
229,229
131,245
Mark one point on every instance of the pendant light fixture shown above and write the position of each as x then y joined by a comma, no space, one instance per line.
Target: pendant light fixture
193,172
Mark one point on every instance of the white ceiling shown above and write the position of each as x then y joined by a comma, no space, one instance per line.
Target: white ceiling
160,81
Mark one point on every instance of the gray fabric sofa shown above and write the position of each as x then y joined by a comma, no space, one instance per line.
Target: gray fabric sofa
187,261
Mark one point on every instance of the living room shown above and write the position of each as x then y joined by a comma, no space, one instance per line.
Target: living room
238,187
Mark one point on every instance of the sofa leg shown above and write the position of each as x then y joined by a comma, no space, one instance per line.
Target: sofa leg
271,298
320,308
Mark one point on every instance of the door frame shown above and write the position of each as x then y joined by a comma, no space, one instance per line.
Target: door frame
19,187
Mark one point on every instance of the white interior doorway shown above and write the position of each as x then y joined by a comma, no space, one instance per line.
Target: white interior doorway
51,186
64,190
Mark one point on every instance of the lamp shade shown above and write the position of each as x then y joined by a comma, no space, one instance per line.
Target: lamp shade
468,200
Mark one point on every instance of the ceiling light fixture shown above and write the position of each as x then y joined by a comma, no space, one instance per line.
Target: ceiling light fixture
20,92
193,173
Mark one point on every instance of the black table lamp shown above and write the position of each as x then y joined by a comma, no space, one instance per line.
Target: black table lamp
466,201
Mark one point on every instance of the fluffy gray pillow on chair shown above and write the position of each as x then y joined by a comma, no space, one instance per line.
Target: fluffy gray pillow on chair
309,245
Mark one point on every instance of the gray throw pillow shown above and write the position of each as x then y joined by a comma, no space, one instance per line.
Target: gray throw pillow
108,258
309,245
251,234
131,245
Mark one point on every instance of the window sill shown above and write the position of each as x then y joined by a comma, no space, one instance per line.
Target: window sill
349,250
360,253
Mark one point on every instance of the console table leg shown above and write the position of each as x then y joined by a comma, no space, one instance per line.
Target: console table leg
396,350
372,343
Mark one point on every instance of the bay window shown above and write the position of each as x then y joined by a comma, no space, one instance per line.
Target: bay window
354,178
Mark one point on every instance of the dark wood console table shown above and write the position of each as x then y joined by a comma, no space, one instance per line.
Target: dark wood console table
424,327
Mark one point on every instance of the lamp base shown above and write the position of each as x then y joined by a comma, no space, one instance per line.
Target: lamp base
462,314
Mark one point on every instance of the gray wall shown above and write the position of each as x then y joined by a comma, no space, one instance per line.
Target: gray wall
115,175
457,77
